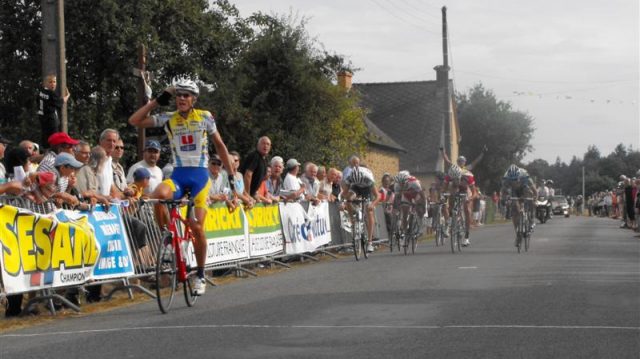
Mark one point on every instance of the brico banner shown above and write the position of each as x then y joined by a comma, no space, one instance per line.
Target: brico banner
265,231
227,234
305,231
45,251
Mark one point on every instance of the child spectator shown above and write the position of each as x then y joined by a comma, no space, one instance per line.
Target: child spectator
141,177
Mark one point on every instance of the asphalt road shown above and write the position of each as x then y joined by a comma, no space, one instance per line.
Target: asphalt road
575,294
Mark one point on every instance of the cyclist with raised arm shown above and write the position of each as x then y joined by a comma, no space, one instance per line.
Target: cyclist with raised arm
462,161
517,183
189,131
408,191
360,184
458,180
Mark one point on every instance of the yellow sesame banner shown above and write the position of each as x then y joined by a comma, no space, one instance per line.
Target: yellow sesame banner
42,251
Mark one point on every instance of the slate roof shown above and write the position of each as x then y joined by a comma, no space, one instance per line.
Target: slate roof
410,113
376,136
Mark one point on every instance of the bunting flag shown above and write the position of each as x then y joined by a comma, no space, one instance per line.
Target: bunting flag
573,98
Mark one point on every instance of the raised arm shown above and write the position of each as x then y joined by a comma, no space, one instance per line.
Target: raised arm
444,156
478,159
142,118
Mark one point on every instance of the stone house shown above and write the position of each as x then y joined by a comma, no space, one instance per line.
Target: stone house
407,126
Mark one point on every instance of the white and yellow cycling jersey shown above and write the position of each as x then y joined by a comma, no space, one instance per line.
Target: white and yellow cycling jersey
189,137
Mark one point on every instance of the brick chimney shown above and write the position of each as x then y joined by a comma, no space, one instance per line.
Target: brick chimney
442,75
344,80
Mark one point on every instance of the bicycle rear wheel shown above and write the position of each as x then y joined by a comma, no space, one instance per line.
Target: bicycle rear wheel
165,273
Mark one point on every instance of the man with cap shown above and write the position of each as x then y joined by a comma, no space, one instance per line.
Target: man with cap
219,190
58,142
3,145
150,158
65,165
292,187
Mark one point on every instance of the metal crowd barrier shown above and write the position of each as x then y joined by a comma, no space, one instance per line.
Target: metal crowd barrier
144,238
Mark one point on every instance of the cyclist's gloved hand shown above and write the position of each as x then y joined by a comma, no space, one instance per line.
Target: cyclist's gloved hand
163,99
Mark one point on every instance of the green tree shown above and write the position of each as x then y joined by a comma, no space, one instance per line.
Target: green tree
20,64
486,121
260,76
282,87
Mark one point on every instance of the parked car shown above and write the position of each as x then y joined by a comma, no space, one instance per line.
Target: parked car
560,205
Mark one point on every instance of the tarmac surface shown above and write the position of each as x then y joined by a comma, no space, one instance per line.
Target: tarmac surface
574,294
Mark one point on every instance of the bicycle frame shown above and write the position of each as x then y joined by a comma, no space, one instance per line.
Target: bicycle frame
458,225
359,231
179,240
523,228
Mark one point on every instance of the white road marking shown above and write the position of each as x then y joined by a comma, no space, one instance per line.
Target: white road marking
271,326
467,267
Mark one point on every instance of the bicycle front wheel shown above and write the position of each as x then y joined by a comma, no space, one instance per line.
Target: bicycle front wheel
357,245
165,274
364,244
187,287
414,238
392,234
452,234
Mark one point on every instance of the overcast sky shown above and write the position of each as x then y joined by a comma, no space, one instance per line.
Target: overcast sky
572,65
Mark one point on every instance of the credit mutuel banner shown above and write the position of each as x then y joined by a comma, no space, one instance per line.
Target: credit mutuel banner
305,231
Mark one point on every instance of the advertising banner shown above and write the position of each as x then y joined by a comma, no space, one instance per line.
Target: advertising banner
227,234
115,254
265,232
305,231
45,251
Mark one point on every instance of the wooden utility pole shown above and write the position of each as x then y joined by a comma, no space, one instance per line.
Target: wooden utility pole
62,65
446,106
53,49
142,100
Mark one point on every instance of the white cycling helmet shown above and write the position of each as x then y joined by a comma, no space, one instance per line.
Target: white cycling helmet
360,176
187,86
455,172
513,172
402,177
462,160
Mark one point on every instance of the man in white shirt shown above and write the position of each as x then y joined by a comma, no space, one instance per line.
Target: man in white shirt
291,186
150,158
311,183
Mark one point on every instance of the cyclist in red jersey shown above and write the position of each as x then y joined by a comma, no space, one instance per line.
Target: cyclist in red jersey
460,181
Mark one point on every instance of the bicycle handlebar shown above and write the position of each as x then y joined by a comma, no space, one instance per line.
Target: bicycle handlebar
181,201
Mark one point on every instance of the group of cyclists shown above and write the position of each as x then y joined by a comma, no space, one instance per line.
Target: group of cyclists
189,131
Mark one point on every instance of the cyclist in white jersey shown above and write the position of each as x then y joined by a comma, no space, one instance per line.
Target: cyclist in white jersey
360,183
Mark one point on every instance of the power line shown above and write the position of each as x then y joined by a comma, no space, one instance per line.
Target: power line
403,20
547,81
428,3
420,12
